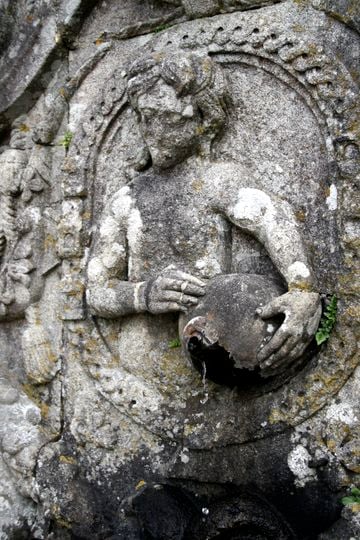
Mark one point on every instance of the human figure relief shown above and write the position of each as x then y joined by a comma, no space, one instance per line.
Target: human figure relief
167,232
15,263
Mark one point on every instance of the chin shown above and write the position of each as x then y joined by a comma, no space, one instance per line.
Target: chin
163,161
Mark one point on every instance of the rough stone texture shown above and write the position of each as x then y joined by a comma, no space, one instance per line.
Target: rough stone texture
179,189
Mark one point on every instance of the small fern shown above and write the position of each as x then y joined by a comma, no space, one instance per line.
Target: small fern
327,322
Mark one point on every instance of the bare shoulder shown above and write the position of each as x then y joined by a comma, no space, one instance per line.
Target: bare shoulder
226,180
121,203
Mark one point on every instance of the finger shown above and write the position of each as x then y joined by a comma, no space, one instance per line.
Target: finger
172,306
314,322
183,287
297,351
187,299
171,284
293,350
274,345
271,309
178,274
282,355
193,290
180,298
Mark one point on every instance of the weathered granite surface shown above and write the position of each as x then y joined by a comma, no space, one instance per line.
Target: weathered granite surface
178,204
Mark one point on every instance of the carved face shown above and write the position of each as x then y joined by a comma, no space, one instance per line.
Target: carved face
169,125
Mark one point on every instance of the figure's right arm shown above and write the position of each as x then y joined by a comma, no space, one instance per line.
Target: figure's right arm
109,292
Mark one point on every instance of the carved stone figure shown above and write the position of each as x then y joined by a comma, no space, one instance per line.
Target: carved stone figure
181,101
15,250
178,201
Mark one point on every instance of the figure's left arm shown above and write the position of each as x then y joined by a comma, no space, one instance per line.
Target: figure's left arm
272,222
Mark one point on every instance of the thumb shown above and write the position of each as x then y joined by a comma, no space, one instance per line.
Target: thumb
271,309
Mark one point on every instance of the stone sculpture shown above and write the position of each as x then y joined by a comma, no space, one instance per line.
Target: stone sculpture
178,201
16,264
180,102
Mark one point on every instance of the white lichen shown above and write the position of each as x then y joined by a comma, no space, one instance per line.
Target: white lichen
252,205
331,200
298,271
298,462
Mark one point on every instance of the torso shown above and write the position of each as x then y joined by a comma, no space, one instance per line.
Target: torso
184,223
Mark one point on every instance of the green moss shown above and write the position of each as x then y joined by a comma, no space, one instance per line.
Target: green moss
66,140
161,28
174,343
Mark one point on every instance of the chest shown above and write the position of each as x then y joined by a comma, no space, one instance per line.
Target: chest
179,226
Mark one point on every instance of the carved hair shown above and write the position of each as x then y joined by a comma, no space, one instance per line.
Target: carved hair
188,74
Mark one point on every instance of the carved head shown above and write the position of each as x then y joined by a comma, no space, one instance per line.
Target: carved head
180,100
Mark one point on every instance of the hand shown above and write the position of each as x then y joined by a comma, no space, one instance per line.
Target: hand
173,290
302,312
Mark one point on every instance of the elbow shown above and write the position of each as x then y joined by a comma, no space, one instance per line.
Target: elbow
252,208
91,302
95,286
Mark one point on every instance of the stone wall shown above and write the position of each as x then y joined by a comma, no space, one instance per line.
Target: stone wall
178,215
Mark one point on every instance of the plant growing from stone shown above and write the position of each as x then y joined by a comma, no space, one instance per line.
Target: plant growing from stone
354,498
66,140
327,321
174,343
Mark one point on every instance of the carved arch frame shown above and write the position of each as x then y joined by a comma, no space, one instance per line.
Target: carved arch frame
328,88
